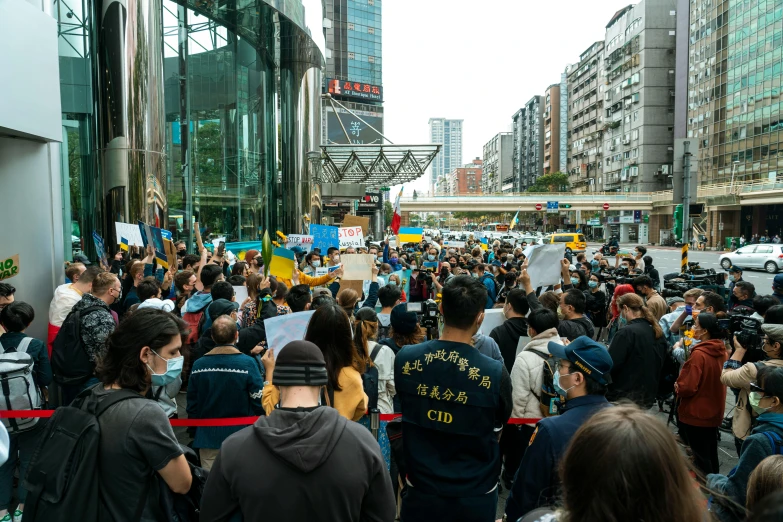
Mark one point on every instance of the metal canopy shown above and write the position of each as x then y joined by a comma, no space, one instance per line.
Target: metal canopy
375,165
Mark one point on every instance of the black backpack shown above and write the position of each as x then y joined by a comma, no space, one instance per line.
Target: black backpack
62,478
184,508
370,379
71,365
549,400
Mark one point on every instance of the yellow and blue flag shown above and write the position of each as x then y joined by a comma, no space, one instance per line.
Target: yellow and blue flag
162,260
282,265
124,244
410,235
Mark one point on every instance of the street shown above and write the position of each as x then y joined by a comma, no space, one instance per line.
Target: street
667,260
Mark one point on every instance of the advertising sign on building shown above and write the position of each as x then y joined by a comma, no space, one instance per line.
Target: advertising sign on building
359,131
365,91
371,201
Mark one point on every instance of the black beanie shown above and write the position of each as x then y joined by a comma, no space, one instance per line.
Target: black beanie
300,363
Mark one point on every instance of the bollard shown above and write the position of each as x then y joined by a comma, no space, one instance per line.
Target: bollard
684,261
375,422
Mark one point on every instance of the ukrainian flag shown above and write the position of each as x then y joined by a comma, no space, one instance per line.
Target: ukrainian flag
283,262
484,243
410,235
162,260
123,244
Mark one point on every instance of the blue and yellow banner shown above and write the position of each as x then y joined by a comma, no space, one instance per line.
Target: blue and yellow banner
410,235
283,262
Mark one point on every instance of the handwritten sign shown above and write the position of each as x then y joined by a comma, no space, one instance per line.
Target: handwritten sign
305,242
325,236
129,232
9,267
351,237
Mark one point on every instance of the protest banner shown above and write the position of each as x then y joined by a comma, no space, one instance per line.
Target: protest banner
129,232
305,242
283,329
351,237
282,265
9,267
325,236
543,265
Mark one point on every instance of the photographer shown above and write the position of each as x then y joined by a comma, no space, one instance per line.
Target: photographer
742,294
739,376
709,302
454,401
702,396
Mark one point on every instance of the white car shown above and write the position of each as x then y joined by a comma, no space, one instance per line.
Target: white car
767,257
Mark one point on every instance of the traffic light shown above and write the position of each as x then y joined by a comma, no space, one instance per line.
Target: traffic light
565,205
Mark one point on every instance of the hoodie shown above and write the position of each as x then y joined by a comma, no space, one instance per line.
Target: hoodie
507,336
333,469
487,346
702,395
197,302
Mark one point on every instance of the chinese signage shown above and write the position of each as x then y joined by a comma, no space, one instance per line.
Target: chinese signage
360,131
354,89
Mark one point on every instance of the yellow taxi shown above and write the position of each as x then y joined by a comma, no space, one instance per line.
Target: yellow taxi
575,243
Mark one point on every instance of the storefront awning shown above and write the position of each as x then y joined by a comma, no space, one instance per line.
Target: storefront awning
374,165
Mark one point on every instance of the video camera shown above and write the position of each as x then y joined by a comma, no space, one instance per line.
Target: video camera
677,283
427,312
620,275
746,329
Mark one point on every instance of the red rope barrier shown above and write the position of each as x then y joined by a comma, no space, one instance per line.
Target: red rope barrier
233,421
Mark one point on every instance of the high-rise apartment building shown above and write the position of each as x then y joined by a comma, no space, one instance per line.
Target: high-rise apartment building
585,85
734,113
498,171
528,144
552,136
639,61
354,71
449,133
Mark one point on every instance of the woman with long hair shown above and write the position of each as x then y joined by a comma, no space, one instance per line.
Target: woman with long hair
404,329
240,268
136,438
623,465
701,394
638,352
330,330
616,322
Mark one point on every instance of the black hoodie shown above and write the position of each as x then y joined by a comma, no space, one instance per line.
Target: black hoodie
311,466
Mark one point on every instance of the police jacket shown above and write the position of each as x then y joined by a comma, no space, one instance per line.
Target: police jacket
536,482
454,400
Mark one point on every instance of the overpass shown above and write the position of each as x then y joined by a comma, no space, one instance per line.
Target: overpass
527,202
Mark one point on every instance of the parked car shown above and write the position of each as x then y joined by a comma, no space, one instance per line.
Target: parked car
575,243
768,257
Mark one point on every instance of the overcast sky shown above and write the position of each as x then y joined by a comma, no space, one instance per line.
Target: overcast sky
479,61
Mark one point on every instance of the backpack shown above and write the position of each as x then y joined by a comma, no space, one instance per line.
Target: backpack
490,294
71,364
549,400
195,321
184,508
370,381
19,391
62,480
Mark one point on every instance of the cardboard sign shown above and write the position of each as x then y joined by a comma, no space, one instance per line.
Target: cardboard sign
9,267
170,251
325,236
305,242
129,232
282,265
357,267
355,285
351,237
357,221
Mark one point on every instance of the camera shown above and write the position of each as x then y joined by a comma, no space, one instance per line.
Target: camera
745,328
676,284
427,311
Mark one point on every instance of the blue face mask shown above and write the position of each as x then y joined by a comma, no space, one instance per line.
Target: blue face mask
431,257
593,284
392,283
556,383
575,281
173,369
594,262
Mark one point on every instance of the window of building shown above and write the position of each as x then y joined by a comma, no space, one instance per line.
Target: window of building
635,134
635,115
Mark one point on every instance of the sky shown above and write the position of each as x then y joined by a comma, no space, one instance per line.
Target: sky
478,61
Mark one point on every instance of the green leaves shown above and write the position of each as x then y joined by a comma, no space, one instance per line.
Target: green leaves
266,252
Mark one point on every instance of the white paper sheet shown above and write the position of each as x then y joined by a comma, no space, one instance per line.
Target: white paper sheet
357,267
544,264
492,318
240,294
129,232
283,329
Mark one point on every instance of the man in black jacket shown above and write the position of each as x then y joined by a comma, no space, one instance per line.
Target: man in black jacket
303,461
515,326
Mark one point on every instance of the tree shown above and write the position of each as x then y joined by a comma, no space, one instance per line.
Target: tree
388,213
415,196
431,221
555,182
477,216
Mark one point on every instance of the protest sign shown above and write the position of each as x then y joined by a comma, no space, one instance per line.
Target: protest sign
543,265
351,237
283,329
454,244
9,267
240,294
129,232
100,249
492,317
324,236
357,267
305,242
357,221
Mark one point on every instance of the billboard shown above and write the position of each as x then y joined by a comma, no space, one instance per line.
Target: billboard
365,91
359,132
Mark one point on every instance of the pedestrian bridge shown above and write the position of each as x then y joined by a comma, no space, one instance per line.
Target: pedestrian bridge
527,202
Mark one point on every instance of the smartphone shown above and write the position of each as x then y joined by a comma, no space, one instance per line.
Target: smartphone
221,248
413,307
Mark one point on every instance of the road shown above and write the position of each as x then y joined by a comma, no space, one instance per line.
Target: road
667,260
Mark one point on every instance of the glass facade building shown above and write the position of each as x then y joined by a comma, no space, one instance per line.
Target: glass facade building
175,111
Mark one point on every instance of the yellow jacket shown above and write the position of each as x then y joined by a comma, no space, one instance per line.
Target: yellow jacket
351,401
305,279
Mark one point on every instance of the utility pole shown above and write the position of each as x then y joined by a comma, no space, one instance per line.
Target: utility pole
686,196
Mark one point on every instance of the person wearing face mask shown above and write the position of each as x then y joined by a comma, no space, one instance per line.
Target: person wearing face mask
224,383
595,304
391,257
700,392
482,273
454,401
581,377
735,276
96,323
312,261
766,400
333,256
740,376
136,440
637,352
394,281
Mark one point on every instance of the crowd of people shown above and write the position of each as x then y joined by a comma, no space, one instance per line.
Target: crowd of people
584,363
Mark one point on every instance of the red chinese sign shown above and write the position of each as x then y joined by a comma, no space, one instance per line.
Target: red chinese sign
366,91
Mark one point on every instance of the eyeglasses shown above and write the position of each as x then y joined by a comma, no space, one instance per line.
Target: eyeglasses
758,389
